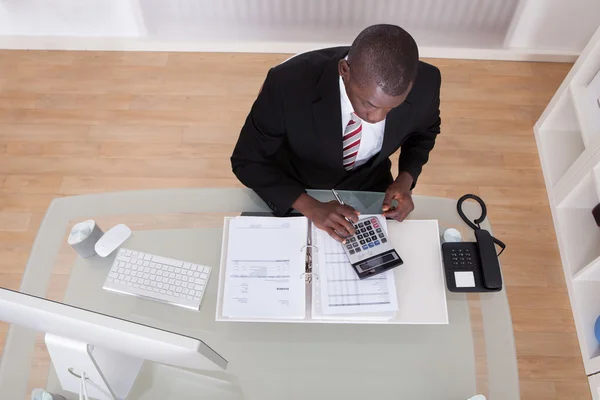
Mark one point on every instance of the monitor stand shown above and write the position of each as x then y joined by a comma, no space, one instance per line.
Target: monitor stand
110,375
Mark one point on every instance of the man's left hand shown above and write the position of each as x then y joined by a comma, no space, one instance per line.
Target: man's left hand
399,191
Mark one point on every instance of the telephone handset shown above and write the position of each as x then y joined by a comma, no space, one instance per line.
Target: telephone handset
473,266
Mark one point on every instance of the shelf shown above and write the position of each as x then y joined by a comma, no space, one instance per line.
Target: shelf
595,386
590,272
559,140
576,226
563,116
588,115
587,301
560,149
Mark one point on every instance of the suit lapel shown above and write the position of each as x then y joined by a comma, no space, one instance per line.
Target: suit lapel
327,114
394,123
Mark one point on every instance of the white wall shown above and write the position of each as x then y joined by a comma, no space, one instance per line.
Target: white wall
554,24
92,18
442,28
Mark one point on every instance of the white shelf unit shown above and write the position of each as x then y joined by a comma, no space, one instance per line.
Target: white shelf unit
595,386
568,139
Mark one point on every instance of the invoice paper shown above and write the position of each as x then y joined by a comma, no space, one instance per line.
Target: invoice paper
342,292
266,260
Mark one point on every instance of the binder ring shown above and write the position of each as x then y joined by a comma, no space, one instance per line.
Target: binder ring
309,276
309,245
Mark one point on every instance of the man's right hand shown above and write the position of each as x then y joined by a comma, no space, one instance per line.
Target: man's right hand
330,216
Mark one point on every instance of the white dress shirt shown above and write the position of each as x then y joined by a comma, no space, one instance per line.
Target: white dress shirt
372,134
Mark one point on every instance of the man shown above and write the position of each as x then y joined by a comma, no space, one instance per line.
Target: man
331,118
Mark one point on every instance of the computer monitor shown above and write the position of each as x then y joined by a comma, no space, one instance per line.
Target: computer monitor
78,339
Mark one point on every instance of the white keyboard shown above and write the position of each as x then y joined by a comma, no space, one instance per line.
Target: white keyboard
158,278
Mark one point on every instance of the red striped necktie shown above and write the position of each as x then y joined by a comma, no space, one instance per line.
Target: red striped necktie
351,141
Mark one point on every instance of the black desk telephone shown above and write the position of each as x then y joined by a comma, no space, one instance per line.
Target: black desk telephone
473,266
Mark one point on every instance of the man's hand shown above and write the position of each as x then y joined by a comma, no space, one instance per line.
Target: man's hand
399,191
330,216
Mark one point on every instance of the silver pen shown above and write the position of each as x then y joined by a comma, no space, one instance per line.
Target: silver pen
337,197
341,201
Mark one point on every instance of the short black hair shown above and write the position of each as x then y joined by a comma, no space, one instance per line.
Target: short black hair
387,55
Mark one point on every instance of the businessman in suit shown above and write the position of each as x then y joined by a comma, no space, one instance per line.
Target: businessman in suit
331,118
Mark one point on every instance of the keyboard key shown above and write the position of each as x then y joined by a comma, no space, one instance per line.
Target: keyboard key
190,273
187,265
184,284
146,263
134,253
167,261
127,252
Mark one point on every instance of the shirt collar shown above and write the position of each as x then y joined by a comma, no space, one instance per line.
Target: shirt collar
345,101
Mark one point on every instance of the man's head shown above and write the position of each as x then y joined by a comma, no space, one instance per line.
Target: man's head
380,70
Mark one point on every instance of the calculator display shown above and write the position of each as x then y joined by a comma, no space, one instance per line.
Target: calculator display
375,262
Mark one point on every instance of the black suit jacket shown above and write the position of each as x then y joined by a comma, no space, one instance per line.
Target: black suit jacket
292,138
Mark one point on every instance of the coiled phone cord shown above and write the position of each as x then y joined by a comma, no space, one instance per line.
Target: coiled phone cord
476,224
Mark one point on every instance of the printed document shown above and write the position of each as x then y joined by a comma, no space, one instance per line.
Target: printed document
266,259
341,290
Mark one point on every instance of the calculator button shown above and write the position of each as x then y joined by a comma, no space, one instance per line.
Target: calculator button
365,247
362,242
371,245
367,239
355,244
351,251
367,223
363,230
352,239
377,243
348,246
381,235
454,258
373,237
360,224
359,237
374,220
357,249
384,240
378,230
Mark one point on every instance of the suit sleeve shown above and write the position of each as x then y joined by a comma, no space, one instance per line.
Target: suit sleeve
254,159
415,150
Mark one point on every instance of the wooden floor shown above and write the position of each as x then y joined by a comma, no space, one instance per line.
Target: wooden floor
87,122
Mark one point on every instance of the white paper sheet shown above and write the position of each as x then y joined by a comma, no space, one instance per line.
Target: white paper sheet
341,290
265,263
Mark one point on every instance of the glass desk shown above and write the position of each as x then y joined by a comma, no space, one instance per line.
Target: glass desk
473,354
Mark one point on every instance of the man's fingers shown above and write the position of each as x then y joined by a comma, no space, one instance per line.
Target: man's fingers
400,212
349,213
387,200
342,226
335,235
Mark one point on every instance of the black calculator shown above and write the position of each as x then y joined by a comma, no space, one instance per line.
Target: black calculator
369,249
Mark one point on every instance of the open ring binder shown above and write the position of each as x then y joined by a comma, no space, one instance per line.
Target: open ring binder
309,245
